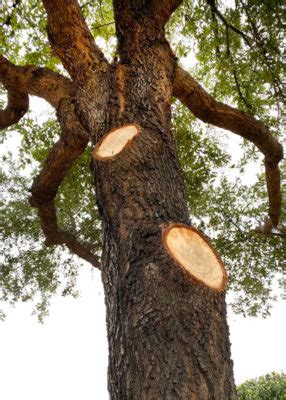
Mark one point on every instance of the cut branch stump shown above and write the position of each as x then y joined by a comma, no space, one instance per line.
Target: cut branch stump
115,141
195,255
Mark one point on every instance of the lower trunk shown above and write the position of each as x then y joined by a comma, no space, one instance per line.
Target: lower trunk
168,336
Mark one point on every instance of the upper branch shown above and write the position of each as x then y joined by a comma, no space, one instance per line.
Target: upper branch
163,9
36,81
18,105
206,108
71,39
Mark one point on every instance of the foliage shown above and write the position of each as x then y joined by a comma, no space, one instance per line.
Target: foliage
30,270
238,49
221,202
269,387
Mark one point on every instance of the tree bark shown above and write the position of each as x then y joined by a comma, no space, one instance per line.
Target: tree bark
168,336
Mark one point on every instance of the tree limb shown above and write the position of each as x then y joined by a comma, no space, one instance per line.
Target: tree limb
18,105
55,236
206,108
163,9
71,39
58,91
36,81
62,155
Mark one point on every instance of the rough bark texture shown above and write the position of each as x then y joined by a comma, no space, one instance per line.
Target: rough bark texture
18,104
71,39
70,146
36,81
168,336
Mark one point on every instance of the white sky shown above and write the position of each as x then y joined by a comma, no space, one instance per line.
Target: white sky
66,358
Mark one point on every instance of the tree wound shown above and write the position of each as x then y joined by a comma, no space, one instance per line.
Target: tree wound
115,141
195,255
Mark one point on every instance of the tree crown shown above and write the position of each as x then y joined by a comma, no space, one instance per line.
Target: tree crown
234,50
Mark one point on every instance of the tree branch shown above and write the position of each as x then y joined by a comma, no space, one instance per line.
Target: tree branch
59,92
163,9
55,236
70,146
206,108
71,39
234,73
18,105
36,81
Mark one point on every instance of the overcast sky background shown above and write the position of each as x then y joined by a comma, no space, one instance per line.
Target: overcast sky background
66,358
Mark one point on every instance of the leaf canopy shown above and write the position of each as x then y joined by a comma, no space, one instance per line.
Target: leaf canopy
234,49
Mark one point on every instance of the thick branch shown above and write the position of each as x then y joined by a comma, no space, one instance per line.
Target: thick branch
206,108
58,91
18,105
36,81
163,9
72,143
71,39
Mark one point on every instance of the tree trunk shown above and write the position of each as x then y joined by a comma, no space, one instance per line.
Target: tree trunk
168,336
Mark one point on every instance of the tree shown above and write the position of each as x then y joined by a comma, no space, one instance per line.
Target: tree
166,316
270,386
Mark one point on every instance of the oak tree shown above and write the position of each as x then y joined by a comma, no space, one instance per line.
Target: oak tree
154,176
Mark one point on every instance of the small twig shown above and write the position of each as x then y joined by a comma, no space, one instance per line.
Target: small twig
18,105
229,55
248,106
227,24
101,26
276,81
9,18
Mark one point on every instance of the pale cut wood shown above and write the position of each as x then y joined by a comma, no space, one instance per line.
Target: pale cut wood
115,141
195,255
